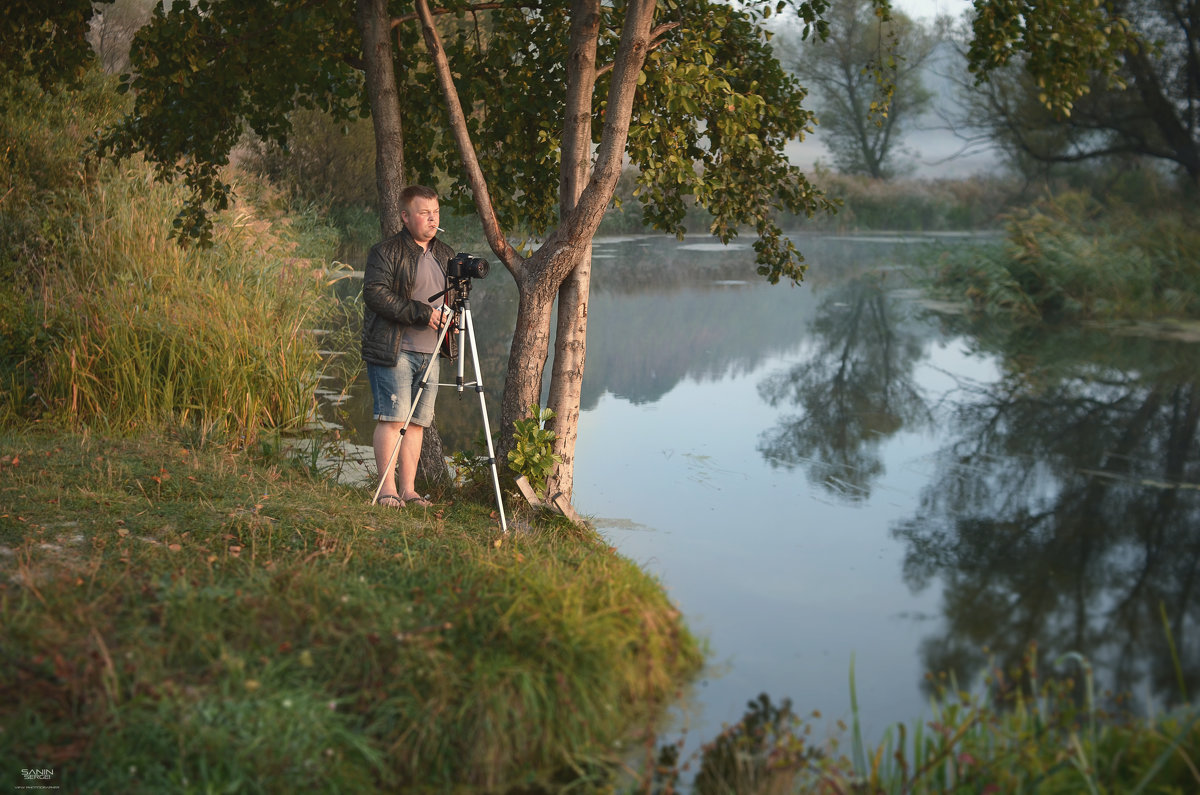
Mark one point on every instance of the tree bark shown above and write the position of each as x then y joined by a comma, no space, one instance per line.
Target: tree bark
570,342
374,26
566,380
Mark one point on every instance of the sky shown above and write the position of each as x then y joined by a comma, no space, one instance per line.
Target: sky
928,9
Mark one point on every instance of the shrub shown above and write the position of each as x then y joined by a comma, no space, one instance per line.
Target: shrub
1072,257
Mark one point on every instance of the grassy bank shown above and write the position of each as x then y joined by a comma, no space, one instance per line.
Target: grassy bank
186,609
183,619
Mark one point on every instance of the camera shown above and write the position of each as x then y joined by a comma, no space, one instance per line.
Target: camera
464,266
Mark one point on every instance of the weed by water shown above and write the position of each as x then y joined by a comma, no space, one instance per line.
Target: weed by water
1071,258
1023,733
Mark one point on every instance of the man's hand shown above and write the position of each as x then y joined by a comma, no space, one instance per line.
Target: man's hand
438,316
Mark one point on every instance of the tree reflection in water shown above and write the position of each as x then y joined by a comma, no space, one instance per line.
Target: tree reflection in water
1066,512
855,390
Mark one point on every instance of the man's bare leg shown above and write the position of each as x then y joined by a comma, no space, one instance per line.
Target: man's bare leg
410,456
384,442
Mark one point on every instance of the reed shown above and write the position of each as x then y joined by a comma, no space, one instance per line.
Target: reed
1071,258
153,334
1022,732
139,331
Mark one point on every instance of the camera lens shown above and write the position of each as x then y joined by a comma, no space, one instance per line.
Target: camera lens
464,266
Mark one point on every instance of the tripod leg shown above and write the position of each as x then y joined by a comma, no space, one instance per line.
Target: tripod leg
383,473
487,431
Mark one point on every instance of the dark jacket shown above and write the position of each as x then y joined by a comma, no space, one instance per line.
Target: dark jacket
387,301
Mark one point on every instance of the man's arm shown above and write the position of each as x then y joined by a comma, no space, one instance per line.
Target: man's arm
378,295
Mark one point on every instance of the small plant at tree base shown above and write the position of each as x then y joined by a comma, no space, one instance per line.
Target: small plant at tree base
532,454
473,468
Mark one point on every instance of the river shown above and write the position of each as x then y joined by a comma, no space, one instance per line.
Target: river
846,474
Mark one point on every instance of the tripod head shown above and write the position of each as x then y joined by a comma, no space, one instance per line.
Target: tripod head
459,291
460,270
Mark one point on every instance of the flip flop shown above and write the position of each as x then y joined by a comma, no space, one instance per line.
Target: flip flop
390,501
417,499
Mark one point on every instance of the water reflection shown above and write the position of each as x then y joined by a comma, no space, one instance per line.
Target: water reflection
1065,511
855,389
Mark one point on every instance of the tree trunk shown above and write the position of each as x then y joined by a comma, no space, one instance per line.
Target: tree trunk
539,277
526,365
375,27
566,381
570,342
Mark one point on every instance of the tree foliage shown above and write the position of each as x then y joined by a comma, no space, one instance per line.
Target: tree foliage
713,111
1062,45
206,72
45,39
1134,71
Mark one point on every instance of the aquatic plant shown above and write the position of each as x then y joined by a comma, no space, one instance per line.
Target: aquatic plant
1022,733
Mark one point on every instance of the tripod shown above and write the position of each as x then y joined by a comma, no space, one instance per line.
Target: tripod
460,319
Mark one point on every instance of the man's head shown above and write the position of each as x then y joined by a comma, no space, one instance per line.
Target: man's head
420,212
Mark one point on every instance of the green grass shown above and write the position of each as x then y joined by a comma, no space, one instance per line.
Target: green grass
190,619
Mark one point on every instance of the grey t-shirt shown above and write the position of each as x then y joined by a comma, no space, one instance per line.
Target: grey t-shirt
429,281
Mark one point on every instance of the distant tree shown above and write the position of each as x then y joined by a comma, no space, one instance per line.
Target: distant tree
866,78
1141,99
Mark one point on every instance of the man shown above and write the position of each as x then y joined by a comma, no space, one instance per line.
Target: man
401,319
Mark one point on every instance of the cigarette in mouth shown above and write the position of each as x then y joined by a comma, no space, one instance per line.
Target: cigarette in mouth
440,229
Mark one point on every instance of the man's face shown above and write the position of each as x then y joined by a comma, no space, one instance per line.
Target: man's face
421,219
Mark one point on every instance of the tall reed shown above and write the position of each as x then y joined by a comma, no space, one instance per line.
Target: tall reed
138,331
1024,733
153,333
1070,257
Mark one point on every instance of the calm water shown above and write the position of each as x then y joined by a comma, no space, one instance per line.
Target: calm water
839,472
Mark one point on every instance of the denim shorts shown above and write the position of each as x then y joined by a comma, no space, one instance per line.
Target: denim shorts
394,388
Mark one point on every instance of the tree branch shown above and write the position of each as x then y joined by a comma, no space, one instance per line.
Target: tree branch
466,149
400,20
655,43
